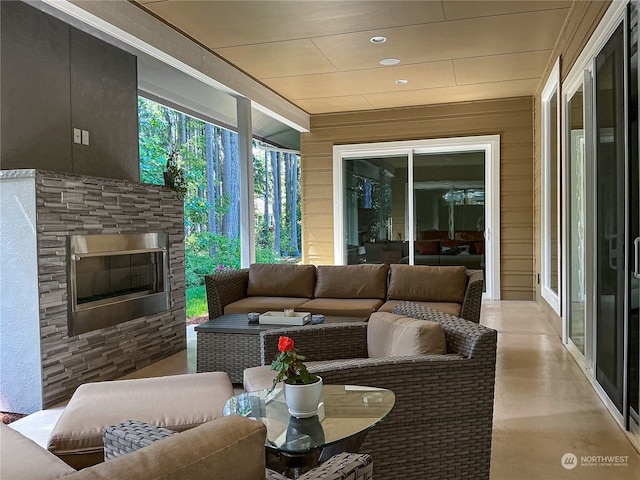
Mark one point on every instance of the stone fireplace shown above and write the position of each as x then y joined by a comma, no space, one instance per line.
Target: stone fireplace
93,285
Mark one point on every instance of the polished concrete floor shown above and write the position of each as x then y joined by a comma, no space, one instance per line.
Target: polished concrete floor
545,408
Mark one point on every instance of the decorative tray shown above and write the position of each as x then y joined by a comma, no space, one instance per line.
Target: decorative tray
278,318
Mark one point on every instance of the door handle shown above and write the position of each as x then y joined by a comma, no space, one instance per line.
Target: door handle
636,262
613,251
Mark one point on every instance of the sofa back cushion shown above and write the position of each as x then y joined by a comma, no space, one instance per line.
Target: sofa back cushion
274,280
423,283
352,281
391,335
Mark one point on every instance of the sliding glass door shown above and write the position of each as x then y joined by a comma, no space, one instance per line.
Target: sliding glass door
449,209
634,222
374,209
423,202
610,215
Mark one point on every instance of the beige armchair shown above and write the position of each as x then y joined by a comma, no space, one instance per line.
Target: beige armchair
228,447
129,437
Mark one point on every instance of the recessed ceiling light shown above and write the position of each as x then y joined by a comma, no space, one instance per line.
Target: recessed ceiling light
389,61
402,82
378,39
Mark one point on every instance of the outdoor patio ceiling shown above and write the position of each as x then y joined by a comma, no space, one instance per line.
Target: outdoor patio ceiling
319,54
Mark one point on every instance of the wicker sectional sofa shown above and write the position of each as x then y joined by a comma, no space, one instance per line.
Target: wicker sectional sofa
441,425
345,290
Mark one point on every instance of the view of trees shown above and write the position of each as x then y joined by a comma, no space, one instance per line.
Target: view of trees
208,155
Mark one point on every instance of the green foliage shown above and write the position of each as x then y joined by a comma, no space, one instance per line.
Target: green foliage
153,143
168,138
200,262
196,301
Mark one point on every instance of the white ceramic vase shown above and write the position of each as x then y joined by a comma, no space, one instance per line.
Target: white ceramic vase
303,400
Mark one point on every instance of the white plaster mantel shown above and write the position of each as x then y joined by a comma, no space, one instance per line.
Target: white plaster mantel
19,304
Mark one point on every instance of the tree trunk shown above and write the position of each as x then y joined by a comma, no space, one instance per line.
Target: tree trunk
183,129
287,201
211,180
275,169
217,192
230,183
234,205
267,220
170,142
295,247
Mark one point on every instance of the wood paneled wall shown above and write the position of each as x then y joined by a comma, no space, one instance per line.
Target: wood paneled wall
511,118
582,20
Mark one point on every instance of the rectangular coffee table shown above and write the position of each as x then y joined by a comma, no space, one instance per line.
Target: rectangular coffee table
230,343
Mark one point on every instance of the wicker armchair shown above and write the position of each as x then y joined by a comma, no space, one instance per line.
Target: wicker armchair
226,287
441,425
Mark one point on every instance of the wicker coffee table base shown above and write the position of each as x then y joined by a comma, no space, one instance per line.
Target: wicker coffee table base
227,352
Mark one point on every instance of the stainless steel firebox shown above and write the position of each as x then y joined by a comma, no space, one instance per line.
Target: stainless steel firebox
115,278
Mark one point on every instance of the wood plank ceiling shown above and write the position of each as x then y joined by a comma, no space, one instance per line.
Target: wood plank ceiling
319,54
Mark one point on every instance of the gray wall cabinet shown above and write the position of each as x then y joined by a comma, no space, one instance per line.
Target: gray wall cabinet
54,78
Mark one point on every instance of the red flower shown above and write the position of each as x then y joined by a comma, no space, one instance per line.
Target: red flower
285,344
289,365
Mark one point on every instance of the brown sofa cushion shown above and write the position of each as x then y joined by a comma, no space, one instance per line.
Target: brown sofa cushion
391,335
425,283
342,307
264,304
23,459
275,280
351,281
77,437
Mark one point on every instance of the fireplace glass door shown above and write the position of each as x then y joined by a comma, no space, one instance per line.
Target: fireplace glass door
116,278
101,279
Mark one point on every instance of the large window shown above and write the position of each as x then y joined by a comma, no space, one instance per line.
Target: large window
208,156
430,202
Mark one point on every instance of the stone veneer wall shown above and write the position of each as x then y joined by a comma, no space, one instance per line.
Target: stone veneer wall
70,204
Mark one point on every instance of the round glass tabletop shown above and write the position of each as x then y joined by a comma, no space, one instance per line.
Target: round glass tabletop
344,412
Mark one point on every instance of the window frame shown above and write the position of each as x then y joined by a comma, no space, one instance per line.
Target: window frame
551,88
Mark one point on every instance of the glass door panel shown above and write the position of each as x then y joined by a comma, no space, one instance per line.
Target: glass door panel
554,231
610,216
634,220
374,209
577,232
449,209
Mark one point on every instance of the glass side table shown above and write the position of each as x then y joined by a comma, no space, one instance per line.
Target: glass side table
345,414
